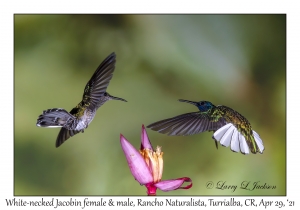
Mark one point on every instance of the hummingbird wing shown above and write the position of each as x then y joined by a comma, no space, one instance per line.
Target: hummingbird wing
97,85
64,134
56,117
188,124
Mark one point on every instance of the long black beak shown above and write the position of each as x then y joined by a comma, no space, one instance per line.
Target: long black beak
116,98
187,101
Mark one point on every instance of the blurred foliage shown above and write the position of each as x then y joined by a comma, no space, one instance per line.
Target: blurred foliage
233,60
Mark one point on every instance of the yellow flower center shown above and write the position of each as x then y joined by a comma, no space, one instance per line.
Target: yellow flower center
154,161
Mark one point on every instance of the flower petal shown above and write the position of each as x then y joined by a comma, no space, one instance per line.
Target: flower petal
145,142
173,184
136,163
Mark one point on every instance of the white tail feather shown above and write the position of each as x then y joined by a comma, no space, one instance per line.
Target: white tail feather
235,145
221,131
243,145
259,142
226,139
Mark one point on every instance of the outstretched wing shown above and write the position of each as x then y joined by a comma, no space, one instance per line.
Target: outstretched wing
97,85
63,135
188,124
56,117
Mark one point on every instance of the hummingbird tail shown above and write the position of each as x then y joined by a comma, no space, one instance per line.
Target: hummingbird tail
56,117
229,135
64,134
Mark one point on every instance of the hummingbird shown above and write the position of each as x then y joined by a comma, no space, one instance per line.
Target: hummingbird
81,116
230,127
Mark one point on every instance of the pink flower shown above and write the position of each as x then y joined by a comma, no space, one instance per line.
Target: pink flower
146,166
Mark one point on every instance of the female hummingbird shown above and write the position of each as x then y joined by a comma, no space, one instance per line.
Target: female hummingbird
81,116
229,127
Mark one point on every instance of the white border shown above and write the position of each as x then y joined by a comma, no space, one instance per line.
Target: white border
8,8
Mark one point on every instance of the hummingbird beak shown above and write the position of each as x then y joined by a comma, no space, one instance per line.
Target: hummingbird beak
116,98
190,102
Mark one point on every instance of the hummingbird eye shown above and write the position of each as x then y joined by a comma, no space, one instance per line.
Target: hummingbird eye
202,103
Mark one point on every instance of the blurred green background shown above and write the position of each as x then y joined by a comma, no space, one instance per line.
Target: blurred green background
234,60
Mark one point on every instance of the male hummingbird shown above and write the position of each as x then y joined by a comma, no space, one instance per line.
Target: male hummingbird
81,116
229,126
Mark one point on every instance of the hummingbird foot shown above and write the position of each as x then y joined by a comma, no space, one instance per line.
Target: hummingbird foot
216,142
